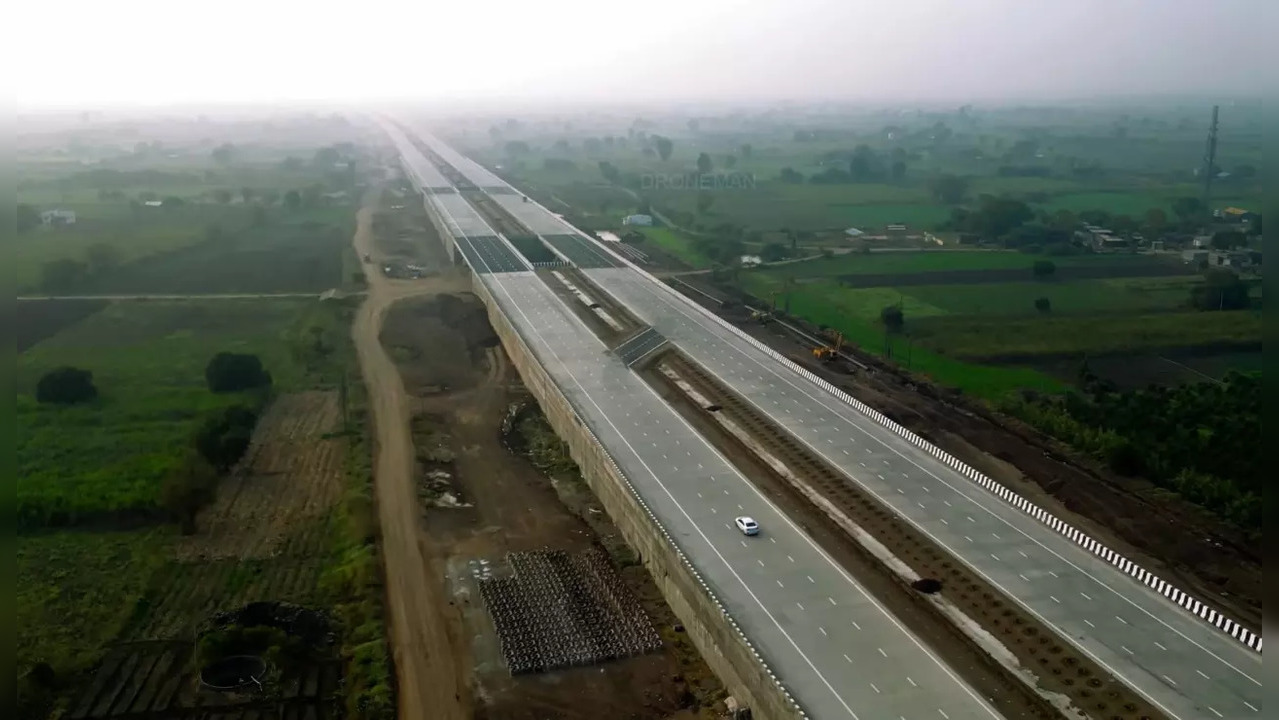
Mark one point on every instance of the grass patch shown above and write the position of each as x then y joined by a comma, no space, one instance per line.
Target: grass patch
76,590
1080,296
982,337
677,244
941,260
148,359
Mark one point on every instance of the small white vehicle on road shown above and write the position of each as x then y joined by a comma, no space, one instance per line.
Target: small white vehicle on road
747,525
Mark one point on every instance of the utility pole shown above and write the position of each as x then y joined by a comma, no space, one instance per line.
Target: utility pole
1210,161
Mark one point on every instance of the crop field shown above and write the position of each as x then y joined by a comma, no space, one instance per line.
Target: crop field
107,458
77,590
932,261
39,319
676,244
134,236
293,252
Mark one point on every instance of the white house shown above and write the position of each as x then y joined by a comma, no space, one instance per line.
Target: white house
638,220
751,261
58,217
853,232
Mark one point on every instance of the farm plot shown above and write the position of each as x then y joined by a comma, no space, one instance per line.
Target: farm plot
277,502
159,679
40,319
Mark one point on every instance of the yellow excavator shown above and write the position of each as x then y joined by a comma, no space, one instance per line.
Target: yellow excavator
828,353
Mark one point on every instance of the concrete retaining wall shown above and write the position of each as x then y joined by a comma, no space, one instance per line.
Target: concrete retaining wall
715,634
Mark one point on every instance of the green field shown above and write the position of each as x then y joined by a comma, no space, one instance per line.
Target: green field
677,244
108,457
936,260
1072,297
75,590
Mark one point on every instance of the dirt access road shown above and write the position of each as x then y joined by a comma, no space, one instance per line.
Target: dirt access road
430,683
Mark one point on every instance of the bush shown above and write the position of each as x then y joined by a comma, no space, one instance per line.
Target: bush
187,489
1043,305
66,386
1044,268
232,372
224,437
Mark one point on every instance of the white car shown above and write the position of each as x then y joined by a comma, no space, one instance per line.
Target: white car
747,525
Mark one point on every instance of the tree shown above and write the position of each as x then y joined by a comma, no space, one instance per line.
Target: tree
223,153
515,148
224,436
1188,208
949,189
28,217
609,171
704,202
102,258
704,164
664,146
898,170
292,200
222,195
62,275
1221,289
1228,240
1155,219
893,318
1043,269
772,252
790,175
730,161
864,164
172,201
66,386
187,488
232,372
1043,305
746,150
246,194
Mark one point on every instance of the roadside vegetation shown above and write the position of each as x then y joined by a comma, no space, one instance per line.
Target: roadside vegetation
135,418
966,245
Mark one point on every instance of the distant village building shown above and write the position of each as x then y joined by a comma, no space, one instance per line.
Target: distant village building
1194,257
896,228
607,236
751,261
644,220
1201,242
58,217
853,232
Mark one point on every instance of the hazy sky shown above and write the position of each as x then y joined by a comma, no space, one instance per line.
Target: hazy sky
74,52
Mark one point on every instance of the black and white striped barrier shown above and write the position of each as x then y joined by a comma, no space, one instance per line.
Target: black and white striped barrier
1182,598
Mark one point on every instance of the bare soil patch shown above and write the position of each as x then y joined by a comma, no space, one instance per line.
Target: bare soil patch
439,343
500,503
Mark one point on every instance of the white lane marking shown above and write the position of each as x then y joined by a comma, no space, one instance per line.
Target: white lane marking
1203,675
921,505
776,374
810,578
943,713
847,658
947,503
1161,647
996,557
970,518
779,584
845,452
1054,599
800,606
1251,706
859,627
822,629
881,652
872,687
1085,596
1121,620
788,557
761,562
1023,577
743,543
699,495
832,600
912,682
1089,623
943,521
1214,711
1170,680
1023,554
1050,572
773,540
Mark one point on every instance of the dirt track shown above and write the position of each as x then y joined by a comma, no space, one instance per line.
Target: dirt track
429,683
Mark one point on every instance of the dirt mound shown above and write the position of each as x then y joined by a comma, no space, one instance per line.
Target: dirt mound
439,342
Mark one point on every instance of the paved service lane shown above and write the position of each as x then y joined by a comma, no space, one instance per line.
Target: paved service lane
1181,664
836,649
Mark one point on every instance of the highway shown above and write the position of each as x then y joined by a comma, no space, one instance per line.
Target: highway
1176,661
835,648
1181,664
